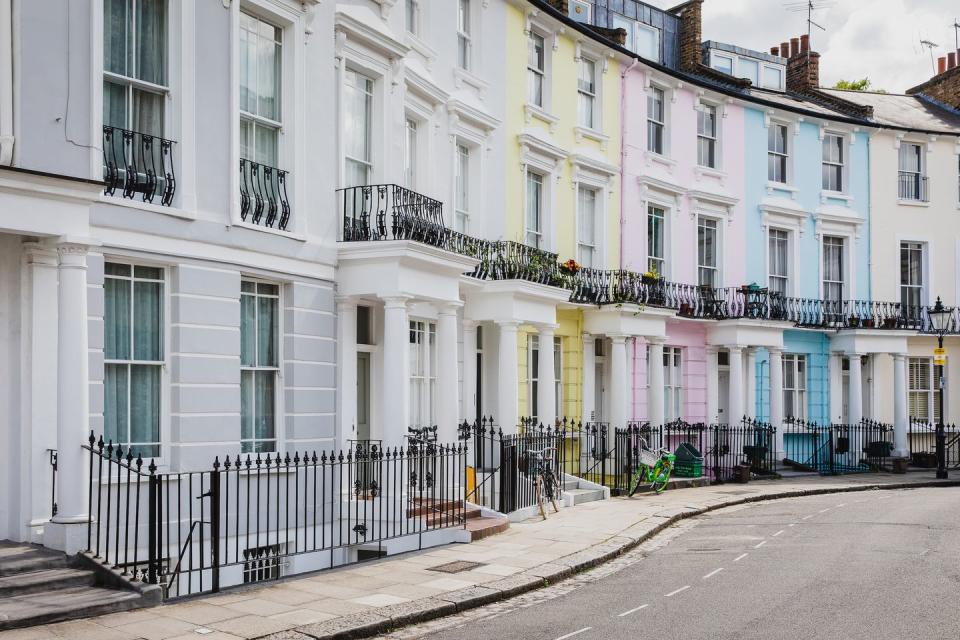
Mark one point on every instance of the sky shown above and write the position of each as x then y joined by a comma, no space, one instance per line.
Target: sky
878,39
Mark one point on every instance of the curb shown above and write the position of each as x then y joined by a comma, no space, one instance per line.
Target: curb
371,623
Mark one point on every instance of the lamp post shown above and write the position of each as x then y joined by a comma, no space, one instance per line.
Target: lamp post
940,317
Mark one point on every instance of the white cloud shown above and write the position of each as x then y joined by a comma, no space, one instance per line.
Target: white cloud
879,39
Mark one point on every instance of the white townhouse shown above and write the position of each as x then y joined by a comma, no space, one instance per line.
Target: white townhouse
167,242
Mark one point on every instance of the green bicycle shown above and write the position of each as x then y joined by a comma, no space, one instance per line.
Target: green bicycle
653,469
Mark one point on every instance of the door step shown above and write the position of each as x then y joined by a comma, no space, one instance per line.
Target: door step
56,604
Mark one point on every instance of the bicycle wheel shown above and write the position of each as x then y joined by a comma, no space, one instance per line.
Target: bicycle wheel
661,475
552,488
539,492
639,474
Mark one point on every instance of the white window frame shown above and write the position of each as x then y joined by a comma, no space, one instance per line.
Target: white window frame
584,96
461,183
536,232
163,364
921,288
278,345
788,277
832,164
596,259
412,17
702,107
533,381
714,57
558,375
544,159
642,26
370,161
257,120
422,332
465,20
672,383
920,175
782,156
741,62
534,73
718,266
662,260
411,152
922,369
652,122
779,70
797,393
844,282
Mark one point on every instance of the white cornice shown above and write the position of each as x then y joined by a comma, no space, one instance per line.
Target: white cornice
362,29
464,111
424,86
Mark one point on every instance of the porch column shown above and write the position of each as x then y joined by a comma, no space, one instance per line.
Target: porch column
618,381
713,385
901,448
836,387
589,377
546,389
396,376
855,391
508,385
347,360
448,380
38,427
751,399
468,396
68,527
776,397
655,383
735,402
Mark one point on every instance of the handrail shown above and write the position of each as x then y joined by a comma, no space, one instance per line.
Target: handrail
176,570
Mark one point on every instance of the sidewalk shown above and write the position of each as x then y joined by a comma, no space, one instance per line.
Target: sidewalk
369,598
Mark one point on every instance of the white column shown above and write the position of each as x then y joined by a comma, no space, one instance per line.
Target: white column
855,391
546,390
713,385
619,381
448,379
735,403
655,383
468,396
836,387
68,527
508,384
776,397
39,418
589,377
751,396
901,447
347,360
395,411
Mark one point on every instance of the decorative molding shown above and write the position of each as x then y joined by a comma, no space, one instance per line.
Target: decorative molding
591,134
531,111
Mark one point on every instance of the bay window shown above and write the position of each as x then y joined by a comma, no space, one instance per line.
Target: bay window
707,136
655,240
586,226
358,116
833,162
587,93
777,153
260,89
259,365
707,251
535,69
779,252
794,385
655,120
133,353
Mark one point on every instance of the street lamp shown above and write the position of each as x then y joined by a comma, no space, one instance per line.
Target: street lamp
940,317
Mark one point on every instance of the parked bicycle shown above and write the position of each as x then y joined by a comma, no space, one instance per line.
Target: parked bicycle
653,468
546,484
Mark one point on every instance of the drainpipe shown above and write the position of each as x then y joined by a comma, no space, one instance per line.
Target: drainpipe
623,153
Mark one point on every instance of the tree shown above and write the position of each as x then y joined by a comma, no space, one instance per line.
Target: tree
863,84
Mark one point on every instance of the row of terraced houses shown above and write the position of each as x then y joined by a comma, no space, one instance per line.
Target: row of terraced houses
256,226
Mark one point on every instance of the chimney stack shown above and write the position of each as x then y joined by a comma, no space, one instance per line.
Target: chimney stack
775,51
794,46
941,64
785,49
804,43
951,60
691,32
803,66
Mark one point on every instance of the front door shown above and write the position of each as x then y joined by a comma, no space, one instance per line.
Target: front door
363,396
598,385
723,396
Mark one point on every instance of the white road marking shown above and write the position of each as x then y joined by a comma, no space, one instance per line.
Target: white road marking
757,546
792,524
740,557
777,533
842,504
807,517
634,610
672,593
713,573
824,510
575,633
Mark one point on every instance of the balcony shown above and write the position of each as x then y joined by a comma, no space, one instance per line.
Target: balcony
138,163
912,187
263,195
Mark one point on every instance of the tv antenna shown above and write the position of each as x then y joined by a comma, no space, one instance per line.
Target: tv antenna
956,32
930,45
810,6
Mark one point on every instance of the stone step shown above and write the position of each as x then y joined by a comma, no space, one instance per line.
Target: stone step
486,526
18,584
22,558
63,604
581,496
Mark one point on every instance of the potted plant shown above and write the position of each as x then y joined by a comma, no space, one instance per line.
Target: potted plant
868,323
854,322
650,277
568,270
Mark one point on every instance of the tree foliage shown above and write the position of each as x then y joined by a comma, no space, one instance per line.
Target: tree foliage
863,84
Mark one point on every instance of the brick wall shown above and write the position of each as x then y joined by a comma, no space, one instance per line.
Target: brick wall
943,88
691,52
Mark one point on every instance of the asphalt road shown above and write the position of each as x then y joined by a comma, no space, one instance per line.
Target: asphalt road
879,564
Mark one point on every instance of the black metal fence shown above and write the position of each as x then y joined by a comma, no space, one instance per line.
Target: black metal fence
249,517
138,163
921,436
837,448
263,195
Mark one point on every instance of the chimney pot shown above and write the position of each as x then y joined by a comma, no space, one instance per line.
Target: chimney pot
804,43
794,46
775,51
951,60
785,49
941,64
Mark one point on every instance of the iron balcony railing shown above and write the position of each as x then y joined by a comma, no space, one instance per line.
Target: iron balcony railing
263,195
912,186
392,212
138,163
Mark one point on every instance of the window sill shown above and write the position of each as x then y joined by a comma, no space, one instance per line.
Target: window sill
174,212
462,76
709,172
653,157
531,111
299,237
581,132
912,203
781,186
835,195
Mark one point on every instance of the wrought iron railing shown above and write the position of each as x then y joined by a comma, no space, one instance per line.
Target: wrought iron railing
263,195
832,449
138,163
912,186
